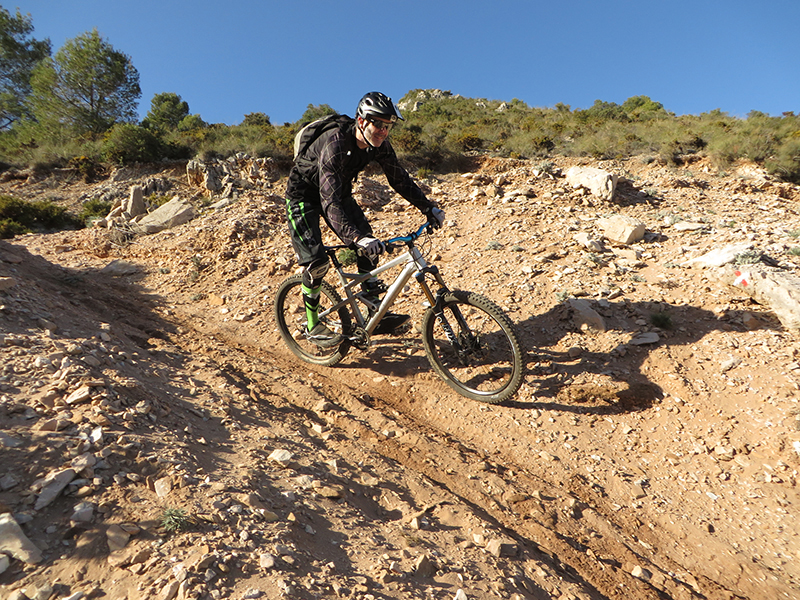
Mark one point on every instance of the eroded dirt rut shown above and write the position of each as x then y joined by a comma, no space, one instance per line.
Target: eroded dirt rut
400,410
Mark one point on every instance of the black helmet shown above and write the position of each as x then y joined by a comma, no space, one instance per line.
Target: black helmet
375,104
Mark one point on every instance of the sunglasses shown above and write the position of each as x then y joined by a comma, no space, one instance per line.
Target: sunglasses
378,124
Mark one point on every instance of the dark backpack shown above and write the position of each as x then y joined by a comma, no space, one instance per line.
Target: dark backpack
311,132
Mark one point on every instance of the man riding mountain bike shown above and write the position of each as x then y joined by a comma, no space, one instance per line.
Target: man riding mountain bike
321,185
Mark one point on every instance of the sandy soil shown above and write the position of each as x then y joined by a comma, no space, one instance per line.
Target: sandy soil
662,470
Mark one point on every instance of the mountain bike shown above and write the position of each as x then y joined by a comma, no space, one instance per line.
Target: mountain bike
469,341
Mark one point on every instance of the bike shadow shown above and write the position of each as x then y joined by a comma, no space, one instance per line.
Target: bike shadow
588,382
613,381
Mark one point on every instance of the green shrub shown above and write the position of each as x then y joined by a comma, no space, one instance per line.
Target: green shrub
9,229
469,141
786,162
93,209
19,216
87,168
257,119
542,144
347,257
408,139
661,320
442,132
156,200
174,520
126,143
190,122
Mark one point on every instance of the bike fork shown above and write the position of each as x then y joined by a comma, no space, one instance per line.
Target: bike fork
437,303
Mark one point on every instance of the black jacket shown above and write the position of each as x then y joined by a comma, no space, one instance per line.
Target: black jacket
327,169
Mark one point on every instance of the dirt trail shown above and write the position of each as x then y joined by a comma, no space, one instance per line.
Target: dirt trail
619,471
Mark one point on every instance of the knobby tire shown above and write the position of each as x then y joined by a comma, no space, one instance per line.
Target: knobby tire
486,362
290,316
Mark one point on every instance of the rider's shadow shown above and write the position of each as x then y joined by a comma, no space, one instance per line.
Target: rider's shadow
556,376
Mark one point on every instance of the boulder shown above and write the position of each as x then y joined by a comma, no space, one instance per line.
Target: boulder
135,205
777,289
599,182
173,213
621,229
14,542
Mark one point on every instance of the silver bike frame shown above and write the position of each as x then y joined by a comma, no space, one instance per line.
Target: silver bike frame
414,263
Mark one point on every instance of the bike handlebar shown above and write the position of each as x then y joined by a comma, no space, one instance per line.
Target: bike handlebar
395,242
408,238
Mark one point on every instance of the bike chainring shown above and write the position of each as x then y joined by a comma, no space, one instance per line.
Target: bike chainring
360,338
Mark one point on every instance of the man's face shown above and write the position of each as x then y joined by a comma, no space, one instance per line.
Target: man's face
376,130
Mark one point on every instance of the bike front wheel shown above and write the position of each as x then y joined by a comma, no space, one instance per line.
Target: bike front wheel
290,315
472,345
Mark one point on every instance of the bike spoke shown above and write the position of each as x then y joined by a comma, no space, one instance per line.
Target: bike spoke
291,318
472,345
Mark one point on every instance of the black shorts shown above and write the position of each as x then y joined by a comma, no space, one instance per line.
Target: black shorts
303,210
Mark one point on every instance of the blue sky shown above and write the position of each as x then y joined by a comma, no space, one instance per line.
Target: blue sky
227,59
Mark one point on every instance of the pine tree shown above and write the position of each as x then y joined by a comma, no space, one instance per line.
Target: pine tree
86,87
19,54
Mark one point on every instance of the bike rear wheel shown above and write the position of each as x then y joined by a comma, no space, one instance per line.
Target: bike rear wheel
473,347
290,315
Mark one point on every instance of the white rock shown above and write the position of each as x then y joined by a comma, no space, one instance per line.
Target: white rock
15,543
640,573
266,560
586,316
163,487
83,513
52,486
599,182
173,213
9,441
116,537
281,456
82,394
84,461
777,289
169,591
7,482
118,268
687,226
650,337
587,242
719,256
135,204
622,229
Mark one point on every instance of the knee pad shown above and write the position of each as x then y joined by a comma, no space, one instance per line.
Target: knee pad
315,272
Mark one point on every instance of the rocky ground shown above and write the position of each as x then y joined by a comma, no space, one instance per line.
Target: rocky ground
158,441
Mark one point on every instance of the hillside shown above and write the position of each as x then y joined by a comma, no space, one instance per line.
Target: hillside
629,465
